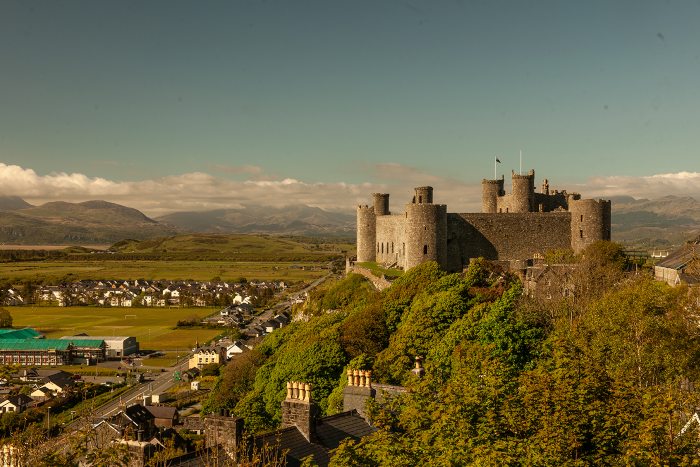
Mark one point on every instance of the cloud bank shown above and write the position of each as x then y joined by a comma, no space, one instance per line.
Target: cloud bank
198,191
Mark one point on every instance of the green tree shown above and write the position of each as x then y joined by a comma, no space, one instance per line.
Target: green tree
5,318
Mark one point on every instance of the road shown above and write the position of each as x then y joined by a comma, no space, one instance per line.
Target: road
165,380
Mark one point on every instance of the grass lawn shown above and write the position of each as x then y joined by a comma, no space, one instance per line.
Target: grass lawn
154,328
378,270
51,271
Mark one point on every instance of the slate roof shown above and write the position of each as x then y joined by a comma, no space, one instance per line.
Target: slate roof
334,429
138,414
330,432
161,411
682,256
296,446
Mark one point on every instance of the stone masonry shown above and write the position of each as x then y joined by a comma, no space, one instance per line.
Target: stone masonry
511,227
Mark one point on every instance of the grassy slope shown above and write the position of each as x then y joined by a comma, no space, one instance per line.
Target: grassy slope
236,246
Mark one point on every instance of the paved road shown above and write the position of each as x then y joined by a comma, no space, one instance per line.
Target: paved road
163,381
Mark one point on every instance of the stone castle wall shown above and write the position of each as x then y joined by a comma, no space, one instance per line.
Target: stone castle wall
390,245
513,236
513,226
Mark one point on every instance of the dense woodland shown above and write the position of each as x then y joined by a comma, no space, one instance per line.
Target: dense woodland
604,378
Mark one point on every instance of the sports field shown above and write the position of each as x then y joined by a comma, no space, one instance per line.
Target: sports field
154,328
52,271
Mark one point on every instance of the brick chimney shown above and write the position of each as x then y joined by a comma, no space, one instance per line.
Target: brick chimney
299,410
358,390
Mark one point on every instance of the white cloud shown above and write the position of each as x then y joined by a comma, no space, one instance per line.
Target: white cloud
198,191
651,186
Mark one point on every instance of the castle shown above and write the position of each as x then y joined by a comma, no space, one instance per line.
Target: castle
511,227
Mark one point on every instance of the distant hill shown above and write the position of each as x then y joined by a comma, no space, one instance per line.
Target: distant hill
663,222
13,203
292,220
90,222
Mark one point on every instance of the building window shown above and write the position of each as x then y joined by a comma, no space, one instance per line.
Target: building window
425,249
580,233
420,199
581,217
392,247
377,247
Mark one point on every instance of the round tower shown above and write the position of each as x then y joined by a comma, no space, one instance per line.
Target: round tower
523,192
424,195
366,234
381,204
490,191
426,230
590,222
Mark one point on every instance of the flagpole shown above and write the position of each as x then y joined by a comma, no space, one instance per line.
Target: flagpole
495,167
521,162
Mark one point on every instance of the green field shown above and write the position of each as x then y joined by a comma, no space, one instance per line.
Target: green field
51,271
154,328
237,247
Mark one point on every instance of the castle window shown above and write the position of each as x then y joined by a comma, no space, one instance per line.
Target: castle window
392,247
580,232
500,210
425,249
382,248
581,217
420,199
404,252
377,247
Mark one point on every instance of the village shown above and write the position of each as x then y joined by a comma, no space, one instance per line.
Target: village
142,293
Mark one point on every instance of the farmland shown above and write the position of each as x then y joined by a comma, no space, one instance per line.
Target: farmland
154,328
54,271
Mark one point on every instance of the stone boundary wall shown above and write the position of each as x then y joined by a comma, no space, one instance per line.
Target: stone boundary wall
379,283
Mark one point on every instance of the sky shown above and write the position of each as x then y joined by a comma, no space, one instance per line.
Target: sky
194,105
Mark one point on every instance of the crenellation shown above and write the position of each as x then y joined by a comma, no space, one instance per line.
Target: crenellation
513,227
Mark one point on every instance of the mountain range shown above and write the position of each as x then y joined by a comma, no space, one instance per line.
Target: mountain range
643,223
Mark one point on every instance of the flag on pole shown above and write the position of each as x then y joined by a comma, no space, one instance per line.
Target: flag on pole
498,160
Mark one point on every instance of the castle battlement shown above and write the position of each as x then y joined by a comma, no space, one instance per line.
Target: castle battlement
512,226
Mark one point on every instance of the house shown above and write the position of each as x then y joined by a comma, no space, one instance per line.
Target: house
58,380
206,356
18,403
135,422
41,394
164,416
235,348
680,266
303,433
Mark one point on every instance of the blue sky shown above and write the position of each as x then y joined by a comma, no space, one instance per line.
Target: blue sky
281,101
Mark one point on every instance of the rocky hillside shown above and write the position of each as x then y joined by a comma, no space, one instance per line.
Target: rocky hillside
663,222
292,220
90,222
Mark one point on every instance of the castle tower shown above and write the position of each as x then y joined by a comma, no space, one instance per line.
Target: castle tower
424,195
490,191
381,204
523,192
590,222
366,234
426,230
